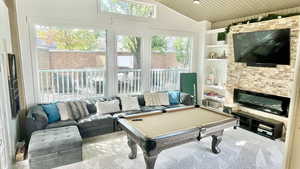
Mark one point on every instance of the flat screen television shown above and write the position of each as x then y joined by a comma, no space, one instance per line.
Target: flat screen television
264,48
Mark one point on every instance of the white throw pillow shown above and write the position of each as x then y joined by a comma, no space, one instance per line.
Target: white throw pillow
64,111
164,99
129,103
156,99
108,106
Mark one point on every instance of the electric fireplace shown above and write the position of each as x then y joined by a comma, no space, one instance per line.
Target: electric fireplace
264,102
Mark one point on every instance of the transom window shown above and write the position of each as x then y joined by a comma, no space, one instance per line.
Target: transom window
129,7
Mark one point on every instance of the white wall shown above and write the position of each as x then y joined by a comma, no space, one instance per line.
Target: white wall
5,38
84,13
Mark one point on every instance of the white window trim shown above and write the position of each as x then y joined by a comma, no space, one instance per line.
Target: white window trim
128,17
111,68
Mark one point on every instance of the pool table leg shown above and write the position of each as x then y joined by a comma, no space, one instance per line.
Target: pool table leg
133,147
216,140
150,161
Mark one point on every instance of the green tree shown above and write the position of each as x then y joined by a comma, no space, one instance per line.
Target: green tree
133,44
159,43
127,8
71,39
182,47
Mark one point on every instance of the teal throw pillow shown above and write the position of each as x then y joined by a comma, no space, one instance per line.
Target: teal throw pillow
174,97
52,112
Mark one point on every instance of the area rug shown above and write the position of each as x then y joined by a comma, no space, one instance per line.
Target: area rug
240,150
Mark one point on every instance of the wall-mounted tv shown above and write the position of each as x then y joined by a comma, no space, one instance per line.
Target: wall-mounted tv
263,48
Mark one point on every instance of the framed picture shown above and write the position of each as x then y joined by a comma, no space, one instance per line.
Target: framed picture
13,85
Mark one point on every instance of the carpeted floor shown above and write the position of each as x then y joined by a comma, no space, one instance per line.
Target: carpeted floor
240,150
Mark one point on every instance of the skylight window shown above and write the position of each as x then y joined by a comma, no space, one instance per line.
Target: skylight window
129,7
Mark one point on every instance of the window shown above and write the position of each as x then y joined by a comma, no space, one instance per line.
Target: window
170,57
128,7
129,64
71,62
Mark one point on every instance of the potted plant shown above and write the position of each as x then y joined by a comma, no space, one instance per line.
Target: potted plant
221,38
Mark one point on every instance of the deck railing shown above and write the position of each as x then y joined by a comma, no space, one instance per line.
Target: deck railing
64,84
165,79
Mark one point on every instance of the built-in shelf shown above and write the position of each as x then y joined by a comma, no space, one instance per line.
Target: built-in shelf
215,98
221,60
215,70
215,87
217,46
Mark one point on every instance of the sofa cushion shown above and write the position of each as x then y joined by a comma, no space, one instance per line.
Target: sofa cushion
108,107
94,117
64,123
130,103
174,97
96,125
175,106
152,108
52,112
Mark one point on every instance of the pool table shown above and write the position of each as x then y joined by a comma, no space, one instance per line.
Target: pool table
157,131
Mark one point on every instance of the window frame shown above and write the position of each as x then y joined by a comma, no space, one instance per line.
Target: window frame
35,58
142,31
176,34
128,17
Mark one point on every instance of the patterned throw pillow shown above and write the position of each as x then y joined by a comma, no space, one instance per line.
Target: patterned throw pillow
64,111
82,109
78,109
74,110
130,103
108,107
156,99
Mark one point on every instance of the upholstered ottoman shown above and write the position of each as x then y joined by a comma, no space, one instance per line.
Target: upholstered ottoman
52,148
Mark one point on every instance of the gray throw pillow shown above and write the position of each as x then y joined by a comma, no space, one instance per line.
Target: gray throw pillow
38,113
186,99
39,117
92,108
75,111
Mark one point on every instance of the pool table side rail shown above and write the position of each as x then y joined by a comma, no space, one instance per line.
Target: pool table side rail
228,122
144,142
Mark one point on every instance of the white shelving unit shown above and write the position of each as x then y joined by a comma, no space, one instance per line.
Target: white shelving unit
215,71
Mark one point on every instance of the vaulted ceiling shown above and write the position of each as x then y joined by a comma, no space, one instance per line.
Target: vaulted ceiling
219,10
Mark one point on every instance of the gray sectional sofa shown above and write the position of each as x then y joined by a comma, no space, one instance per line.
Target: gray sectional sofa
94,124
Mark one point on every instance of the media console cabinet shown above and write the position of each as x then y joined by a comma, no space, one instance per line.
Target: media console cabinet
263,126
